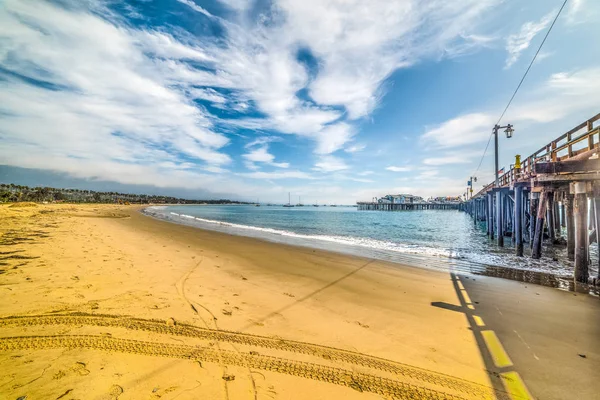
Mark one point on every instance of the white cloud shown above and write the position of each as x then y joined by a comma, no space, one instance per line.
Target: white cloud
262,140
459,131
427,174
365,173
574,11
195,7
277,175
446,160
330,164
262,155
238,5
356,50
333,137
207,94
519,42
563,94
112,105
355,148
398,169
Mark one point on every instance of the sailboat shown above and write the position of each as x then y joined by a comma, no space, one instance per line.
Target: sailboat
289,204
257,203
316,204
299,202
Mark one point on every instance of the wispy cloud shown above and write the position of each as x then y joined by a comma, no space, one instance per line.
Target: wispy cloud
465,129
116,101
398,169
195,7
355,148
277,175
446,160
330,164
519,42
262,155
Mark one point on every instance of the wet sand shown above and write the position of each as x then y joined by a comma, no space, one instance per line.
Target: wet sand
110,303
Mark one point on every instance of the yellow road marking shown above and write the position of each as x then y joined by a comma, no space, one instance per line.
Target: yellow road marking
460,285
466,296
478,320
501,359
470,306
515,386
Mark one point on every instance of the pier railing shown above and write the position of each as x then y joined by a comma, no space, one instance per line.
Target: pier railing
572,145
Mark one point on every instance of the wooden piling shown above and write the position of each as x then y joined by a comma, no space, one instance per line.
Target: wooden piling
557,229
490,216
536,251
563,214
550,213
580,211
596,206
499,219
568,206
518,229
533,205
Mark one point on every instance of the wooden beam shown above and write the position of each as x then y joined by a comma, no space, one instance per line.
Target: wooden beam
592,176
559,167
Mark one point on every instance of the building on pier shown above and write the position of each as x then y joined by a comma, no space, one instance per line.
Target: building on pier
400,199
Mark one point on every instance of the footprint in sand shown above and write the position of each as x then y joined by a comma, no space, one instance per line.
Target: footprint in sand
113,393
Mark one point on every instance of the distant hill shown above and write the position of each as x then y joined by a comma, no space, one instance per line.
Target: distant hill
17,193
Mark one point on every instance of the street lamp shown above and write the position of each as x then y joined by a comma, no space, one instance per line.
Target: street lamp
508,129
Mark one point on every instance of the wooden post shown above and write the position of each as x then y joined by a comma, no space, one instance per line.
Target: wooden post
499,222
568,205
580,208
550,211
533,204
536,251
592,218
490,223
563,216
596,205
518,229
557,229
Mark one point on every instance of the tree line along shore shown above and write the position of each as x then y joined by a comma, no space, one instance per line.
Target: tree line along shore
12,193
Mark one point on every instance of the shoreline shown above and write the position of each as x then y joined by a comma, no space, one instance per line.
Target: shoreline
433,262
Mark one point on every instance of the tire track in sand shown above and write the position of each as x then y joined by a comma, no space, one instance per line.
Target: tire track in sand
410,373
359,381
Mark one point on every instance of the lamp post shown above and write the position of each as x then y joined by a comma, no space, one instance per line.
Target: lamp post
508,129
470,186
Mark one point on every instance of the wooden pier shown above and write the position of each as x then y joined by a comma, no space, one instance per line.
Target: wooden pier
376,206
556,187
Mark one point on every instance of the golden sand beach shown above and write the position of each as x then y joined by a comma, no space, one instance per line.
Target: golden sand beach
107,303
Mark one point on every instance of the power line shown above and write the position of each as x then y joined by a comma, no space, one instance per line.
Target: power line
521,82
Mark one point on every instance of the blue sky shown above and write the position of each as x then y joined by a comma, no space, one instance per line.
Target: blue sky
334,101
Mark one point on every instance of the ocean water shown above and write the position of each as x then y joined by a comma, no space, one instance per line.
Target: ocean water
437,239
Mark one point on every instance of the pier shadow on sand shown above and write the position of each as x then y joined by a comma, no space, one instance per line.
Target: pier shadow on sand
490,368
